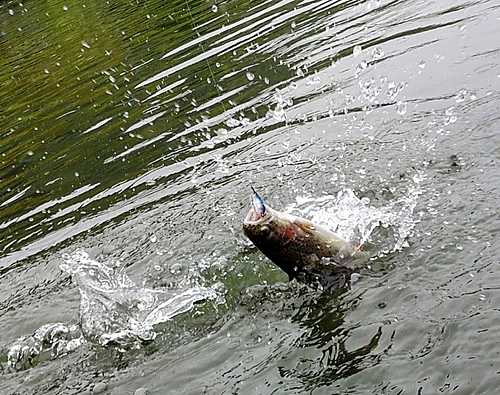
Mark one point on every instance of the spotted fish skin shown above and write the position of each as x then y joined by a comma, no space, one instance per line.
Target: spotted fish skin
305,251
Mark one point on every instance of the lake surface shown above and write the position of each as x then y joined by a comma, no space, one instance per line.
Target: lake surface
131,133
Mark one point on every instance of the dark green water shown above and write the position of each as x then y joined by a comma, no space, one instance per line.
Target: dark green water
133,130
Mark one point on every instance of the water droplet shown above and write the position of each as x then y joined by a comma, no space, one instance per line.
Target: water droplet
65,8
482,297
294,25
153,238
46,71
85,44
217,64
100,388
313,80
460,247
401,107
30,153
77,174
422,65
11,12
357,50
460,97
377,53
250,76
215,8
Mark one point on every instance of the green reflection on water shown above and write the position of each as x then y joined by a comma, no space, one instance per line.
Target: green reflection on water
67,66
80,116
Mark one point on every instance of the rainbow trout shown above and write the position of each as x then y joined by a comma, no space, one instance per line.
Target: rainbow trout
305,251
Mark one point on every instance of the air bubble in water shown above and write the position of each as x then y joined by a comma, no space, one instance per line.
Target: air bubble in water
214,8
175,268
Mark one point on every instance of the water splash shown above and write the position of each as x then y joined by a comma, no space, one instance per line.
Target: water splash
356,219
113,311
48,342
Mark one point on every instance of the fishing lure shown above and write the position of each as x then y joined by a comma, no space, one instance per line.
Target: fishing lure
258,203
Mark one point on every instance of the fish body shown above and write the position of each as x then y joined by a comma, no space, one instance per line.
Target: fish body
308,252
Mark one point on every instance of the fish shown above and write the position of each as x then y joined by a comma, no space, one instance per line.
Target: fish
305,251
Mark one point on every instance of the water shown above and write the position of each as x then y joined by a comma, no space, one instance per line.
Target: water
130,136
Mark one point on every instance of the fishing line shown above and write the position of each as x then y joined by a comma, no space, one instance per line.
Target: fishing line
206,59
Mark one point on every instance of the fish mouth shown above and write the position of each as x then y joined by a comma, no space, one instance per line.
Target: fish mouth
253,217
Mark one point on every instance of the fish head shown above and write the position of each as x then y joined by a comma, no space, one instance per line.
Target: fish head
267,228
280,237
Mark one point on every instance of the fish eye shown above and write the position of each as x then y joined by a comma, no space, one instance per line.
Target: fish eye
264,231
